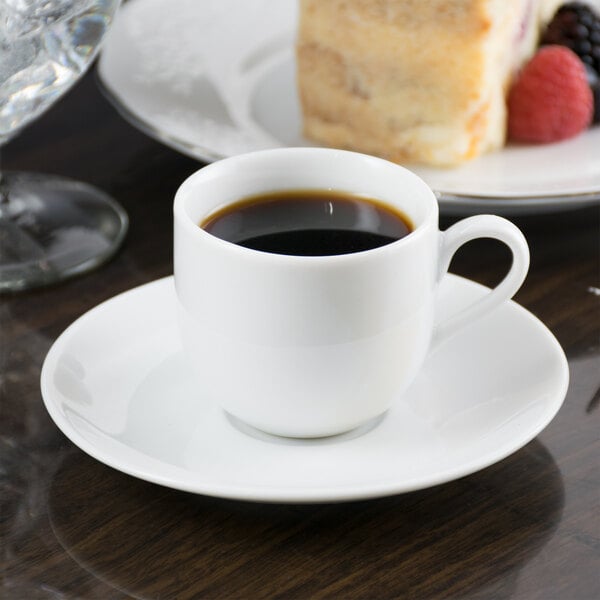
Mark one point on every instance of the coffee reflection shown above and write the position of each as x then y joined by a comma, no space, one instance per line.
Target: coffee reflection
150,541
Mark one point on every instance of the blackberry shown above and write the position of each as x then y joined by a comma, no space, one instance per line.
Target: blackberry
594,83
596,94
576,26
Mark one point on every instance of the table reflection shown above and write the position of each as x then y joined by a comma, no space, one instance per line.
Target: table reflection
149,542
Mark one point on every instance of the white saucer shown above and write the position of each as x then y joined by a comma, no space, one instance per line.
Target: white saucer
217,78
116,384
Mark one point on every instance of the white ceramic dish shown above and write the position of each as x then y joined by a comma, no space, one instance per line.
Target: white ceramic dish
116,384
217,78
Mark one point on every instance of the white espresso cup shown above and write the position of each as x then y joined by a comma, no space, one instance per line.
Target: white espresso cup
308,346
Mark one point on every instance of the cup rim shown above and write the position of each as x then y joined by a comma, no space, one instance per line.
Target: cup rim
182,217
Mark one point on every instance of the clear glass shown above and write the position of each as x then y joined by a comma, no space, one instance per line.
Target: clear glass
50,228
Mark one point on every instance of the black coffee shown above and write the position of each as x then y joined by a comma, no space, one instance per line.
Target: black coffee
309,223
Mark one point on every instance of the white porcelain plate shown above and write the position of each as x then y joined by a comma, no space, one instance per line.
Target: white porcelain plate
214,78
115,382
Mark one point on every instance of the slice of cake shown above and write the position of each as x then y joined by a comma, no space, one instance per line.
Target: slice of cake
412,81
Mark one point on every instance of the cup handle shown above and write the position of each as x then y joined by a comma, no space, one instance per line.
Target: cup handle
481,226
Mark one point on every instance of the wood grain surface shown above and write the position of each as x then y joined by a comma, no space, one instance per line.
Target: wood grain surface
72,528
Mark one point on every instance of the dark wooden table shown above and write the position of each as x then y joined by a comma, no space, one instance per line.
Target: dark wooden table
73,528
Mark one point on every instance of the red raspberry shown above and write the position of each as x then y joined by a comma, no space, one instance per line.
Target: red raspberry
550,99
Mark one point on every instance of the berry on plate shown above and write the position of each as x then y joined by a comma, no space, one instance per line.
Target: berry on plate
550,99
576,26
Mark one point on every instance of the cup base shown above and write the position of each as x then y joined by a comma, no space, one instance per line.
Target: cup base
277,438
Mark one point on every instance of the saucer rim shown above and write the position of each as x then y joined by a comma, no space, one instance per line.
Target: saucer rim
287,494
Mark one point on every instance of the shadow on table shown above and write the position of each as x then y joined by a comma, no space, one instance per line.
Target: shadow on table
469,537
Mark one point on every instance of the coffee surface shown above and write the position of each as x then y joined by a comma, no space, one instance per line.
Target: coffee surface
309,223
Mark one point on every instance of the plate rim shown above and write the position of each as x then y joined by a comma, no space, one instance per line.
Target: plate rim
446,200
285,494
451,201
